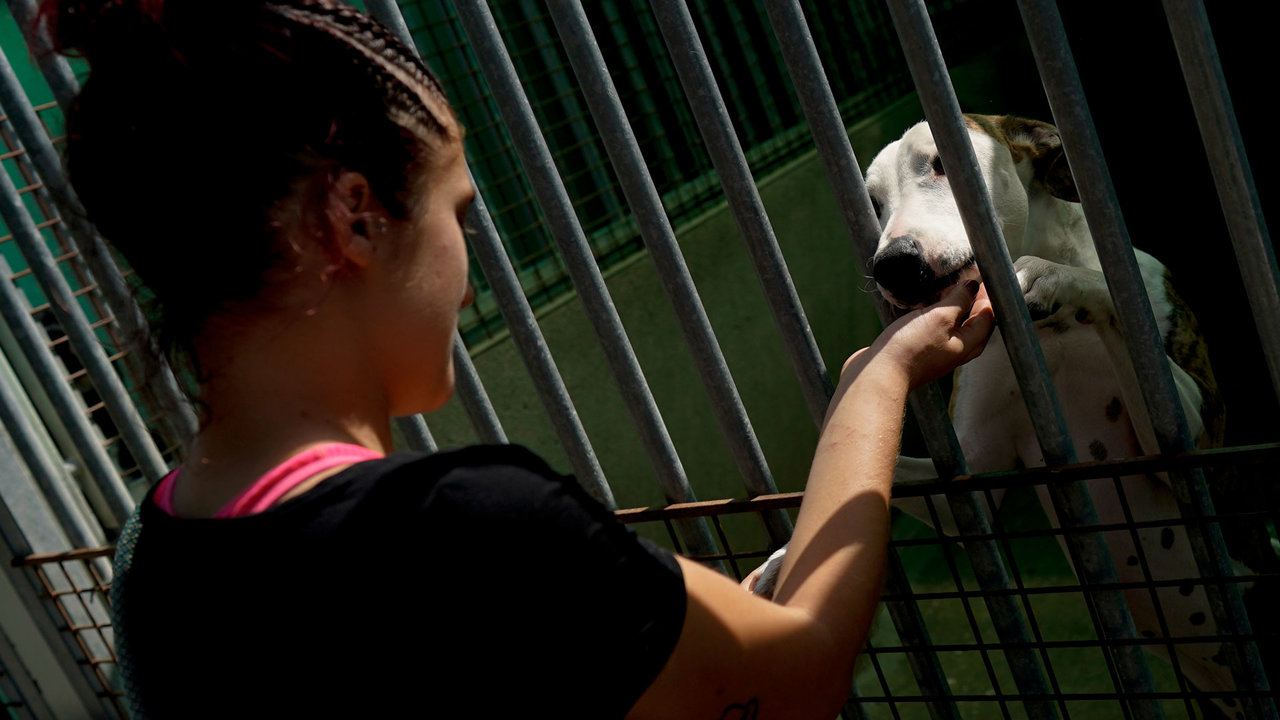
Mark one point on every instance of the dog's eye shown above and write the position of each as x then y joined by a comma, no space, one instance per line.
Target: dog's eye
876,207
937,166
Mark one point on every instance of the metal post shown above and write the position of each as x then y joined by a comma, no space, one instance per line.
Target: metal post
84,532
475,401
84,342
519,318
495,64
646,207
70,410
832,140
744,201
748,210
102,267
1230,167
1073,505
416,433
1142,336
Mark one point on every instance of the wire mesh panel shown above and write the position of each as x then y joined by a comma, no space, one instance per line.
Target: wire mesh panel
76,585
39,204
943,584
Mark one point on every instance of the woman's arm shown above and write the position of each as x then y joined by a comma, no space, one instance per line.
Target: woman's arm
740,656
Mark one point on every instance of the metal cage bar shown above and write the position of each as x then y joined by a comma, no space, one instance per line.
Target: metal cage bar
1138,325
81,528
70,409
83,340
517,114
124,309
642,196
753,223
1073,505
416,433
521,323
845,177
1229,164
475,401
713,121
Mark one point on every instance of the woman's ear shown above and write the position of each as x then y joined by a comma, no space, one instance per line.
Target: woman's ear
355,217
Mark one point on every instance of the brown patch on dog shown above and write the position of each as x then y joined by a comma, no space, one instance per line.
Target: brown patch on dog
1036,140
1186,347
1113,409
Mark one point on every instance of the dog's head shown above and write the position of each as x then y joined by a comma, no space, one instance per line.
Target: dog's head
923,247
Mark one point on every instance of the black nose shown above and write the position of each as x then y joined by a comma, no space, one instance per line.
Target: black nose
901,269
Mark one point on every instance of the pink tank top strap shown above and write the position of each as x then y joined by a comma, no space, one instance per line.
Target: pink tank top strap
277,482
164,492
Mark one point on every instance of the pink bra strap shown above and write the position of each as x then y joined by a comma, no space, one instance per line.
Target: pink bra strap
164,492
277,482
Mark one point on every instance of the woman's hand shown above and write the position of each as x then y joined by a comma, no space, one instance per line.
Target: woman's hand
930,342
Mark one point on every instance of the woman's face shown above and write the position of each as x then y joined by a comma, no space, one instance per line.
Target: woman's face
421,284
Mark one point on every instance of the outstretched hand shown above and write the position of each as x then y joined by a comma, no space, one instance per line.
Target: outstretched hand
930,342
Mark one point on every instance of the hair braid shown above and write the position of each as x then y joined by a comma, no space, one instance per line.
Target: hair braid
415,99
227,118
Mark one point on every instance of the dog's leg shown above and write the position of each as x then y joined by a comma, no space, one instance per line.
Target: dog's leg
1063,295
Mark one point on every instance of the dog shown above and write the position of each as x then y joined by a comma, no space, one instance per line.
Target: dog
924,250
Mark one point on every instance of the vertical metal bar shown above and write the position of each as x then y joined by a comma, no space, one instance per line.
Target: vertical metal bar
475,401
136,365
909,623
744,201
1230,167
388,13
646,206
66,308
103,269
82,531
54,67
416,433
518,315
70,410
845,177
1142,336
1074,507
712,116
517,115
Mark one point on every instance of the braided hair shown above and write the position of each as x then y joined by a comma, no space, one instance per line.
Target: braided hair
203,124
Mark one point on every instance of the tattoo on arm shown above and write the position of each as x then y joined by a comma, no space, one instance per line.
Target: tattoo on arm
750,710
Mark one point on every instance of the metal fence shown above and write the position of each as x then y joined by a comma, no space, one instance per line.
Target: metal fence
978,627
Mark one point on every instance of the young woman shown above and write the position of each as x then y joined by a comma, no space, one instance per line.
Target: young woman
288,182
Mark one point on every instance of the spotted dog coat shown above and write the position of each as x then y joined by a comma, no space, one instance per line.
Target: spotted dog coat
924,250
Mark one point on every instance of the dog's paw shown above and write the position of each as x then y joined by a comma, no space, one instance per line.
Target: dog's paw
1048,287
764,580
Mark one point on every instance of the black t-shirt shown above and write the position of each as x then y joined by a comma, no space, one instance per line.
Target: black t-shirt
471,583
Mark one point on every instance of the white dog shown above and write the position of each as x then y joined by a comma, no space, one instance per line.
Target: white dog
924,250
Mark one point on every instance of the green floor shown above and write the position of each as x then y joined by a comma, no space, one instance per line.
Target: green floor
1059,616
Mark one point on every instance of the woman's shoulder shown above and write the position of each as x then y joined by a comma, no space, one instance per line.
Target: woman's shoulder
482,473
472,487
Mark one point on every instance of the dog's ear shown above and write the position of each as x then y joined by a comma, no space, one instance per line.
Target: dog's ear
1038,141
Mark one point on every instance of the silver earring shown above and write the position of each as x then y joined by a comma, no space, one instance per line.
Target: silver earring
383,225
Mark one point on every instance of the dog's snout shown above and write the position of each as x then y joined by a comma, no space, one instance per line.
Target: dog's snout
902,269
